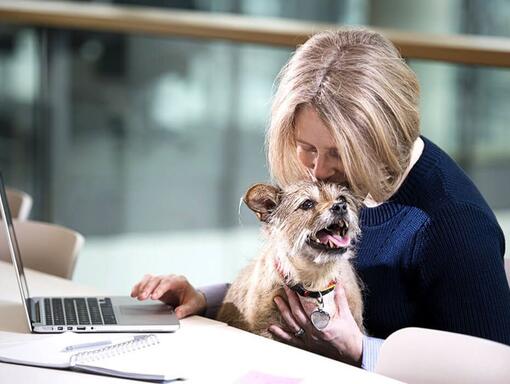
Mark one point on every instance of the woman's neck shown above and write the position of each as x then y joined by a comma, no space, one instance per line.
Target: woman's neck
416,152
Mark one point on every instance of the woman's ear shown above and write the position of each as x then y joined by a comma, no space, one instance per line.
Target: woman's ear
262,199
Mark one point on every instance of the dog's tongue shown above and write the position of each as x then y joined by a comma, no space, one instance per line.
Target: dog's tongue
324,237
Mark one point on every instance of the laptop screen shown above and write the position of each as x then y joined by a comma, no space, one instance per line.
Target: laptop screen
12,244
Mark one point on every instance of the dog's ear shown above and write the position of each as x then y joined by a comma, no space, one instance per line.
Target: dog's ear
262,199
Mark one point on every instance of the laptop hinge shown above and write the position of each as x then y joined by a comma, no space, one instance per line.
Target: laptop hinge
34,310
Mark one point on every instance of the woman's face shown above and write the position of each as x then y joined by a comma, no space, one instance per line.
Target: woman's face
316,148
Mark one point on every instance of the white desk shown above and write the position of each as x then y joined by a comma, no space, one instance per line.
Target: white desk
216,352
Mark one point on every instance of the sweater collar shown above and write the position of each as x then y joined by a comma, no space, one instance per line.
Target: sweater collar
410,188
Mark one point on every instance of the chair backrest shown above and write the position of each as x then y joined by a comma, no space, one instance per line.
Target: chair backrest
46,247
418,355
20,203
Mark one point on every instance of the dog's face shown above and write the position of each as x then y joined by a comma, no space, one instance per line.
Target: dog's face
315,220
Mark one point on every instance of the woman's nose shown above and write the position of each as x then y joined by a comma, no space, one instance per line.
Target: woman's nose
321,169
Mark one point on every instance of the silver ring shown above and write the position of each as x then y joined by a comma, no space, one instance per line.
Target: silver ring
300,332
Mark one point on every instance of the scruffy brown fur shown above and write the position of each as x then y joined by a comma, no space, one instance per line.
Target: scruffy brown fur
292,221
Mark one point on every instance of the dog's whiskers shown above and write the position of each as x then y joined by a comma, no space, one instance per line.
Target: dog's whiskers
241,201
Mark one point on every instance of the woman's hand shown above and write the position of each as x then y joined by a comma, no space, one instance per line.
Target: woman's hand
340,340
173,290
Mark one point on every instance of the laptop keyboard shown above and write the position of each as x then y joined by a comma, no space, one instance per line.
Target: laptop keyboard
79,311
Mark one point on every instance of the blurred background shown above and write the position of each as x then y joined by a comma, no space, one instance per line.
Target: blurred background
145,144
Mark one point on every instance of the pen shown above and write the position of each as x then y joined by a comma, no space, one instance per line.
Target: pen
86,345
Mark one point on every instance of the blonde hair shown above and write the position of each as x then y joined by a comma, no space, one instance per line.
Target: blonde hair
364,93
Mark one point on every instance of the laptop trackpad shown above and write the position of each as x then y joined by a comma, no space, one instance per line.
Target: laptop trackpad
144,310
132,311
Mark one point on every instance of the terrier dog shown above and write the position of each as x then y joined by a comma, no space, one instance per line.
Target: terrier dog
311,229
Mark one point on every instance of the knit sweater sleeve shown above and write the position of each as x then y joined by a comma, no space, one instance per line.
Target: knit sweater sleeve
214,295
463,288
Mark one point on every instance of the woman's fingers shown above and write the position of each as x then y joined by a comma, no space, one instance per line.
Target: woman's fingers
160,289
341,300
286,337
171,289
286,313
177,291
138,288
147,289
190,307
296,308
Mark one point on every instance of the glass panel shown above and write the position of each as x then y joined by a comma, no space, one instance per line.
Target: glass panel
179,119
19,94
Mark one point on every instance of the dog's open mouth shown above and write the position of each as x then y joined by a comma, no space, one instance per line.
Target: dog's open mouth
333,238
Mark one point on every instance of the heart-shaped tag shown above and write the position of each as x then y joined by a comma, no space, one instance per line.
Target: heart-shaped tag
320,319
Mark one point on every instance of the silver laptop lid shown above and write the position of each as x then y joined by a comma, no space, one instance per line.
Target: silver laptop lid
12,244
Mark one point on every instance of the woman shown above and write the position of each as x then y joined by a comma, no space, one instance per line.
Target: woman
346,111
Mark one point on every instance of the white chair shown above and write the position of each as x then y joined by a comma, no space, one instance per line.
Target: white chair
46,247
20,203
418,355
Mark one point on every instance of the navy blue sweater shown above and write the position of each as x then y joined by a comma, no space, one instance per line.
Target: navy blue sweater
432,256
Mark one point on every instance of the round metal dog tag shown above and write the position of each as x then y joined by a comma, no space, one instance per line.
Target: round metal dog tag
320,319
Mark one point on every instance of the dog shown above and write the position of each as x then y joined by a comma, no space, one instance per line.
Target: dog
311,229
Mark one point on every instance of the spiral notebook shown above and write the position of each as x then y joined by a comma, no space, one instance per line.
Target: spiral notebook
140,357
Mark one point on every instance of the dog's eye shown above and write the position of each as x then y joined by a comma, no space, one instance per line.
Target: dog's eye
307,204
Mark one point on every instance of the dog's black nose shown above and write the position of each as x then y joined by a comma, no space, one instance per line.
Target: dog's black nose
339,208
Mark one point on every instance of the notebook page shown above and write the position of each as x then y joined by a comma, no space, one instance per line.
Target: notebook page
49,351
152,360
13,338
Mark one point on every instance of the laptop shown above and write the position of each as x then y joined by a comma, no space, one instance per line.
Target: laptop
82,314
